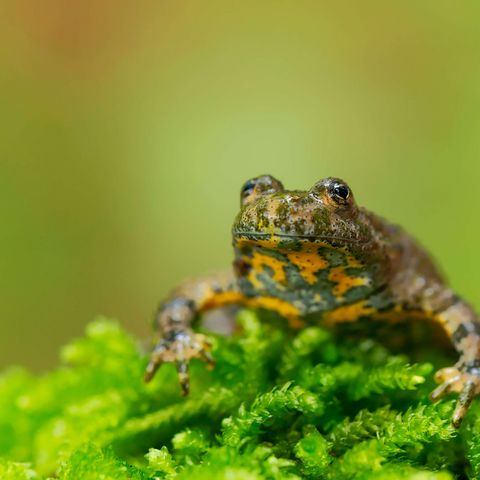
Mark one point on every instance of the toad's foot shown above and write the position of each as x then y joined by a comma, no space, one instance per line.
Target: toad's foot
180,348
461,380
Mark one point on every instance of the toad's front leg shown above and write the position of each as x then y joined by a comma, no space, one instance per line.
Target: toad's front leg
463,326
178,344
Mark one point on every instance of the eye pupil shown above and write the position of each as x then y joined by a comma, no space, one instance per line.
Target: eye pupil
341,191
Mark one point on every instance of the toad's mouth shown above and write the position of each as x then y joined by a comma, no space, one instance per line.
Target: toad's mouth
252,235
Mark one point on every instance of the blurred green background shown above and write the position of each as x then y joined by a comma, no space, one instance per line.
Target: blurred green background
127,129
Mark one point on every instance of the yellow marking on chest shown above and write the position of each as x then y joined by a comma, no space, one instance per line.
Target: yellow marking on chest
271,242
344,282
309,263
349,313
215,300
284,308
353,262
287,310
259,261
274,241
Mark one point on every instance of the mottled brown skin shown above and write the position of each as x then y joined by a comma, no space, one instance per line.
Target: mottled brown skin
316,254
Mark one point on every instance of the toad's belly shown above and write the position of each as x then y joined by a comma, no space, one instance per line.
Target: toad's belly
311,278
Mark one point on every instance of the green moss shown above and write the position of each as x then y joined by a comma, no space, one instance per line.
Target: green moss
277,406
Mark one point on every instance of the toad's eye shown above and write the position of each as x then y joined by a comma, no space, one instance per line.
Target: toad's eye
247,189
259,186
333,192
340,192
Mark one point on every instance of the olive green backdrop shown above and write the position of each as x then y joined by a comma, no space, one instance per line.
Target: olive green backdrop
127,129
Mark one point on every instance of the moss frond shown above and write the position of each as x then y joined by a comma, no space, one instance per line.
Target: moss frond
277,406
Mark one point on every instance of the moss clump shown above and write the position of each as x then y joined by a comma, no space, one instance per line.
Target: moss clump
277,406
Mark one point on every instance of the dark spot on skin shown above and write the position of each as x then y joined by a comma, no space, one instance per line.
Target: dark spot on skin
473,366
320,221
241,267
298,224
333,257
290,245
281,213
462,331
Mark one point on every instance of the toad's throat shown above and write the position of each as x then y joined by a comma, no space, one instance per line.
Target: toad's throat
252,235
